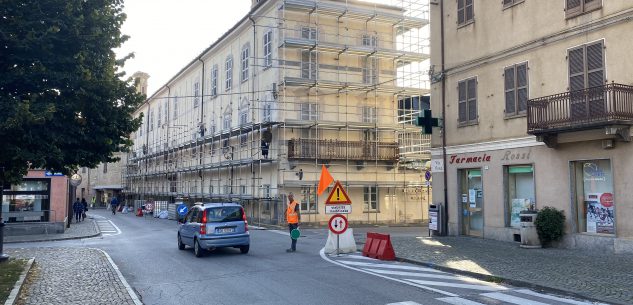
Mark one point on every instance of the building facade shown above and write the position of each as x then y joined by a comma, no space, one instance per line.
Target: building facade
294,85
538,103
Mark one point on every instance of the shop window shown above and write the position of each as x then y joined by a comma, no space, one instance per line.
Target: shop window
519,192
28,201
592,183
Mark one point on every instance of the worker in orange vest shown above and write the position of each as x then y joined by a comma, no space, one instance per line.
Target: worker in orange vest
293,217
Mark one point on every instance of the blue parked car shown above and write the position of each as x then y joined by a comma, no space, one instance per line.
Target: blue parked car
208,226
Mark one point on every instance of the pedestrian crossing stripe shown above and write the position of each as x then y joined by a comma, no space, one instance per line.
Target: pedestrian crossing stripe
483,287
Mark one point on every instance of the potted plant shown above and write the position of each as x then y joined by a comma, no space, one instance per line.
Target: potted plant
550,225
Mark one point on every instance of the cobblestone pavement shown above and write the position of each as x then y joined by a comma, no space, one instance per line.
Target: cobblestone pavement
608,277
71,276
82,229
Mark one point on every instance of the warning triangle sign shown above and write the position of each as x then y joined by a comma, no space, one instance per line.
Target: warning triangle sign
338,195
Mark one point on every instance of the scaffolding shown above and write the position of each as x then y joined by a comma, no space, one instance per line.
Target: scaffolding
341,89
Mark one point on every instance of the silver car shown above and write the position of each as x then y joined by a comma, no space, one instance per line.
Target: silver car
208,226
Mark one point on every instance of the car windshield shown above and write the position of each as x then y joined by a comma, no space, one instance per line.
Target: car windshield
224,214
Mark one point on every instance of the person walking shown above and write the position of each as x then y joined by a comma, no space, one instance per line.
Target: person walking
84,204
77,209
293,217
114,203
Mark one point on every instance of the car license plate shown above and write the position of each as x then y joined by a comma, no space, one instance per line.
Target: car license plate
225,230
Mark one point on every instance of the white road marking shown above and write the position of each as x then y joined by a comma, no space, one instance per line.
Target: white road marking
559,299
511,299
106,226
434,276
279,232
459,301
405,303
323,256
391,266
359,257
489,287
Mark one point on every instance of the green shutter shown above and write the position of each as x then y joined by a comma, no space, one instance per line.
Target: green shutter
520,169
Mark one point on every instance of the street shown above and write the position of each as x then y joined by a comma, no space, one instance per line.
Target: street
146,253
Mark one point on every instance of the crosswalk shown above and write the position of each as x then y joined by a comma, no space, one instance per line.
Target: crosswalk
456,289
106,226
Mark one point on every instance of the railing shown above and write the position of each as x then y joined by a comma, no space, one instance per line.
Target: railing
588,108
342,150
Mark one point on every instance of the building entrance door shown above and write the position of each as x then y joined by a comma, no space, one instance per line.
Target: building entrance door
472,202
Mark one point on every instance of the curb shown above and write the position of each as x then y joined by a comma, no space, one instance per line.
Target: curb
15,292
487,278
94,223
130,291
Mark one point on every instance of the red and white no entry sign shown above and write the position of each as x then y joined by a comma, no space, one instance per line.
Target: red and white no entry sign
338,224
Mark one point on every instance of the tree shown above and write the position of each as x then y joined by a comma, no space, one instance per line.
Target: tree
63,103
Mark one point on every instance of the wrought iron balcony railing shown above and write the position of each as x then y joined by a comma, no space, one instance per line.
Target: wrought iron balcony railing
595,107
342,150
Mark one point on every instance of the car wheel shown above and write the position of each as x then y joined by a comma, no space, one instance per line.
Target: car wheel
244,249
181,246
197,250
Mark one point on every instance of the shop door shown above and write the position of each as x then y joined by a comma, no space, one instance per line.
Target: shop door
472,202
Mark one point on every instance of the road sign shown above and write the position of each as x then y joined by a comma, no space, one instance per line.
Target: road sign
75,179
182,209
149,206
427,175
338,224
338,209
338,195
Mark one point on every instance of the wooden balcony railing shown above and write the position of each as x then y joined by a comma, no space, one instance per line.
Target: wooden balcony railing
594,107
342,150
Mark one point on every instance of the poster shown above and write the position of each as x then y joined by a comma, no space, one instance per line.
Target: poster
472,194
518,205
599,209
432,220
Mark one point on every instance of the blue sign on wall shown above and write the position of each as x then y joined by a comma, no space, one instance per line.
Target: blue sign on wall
49,174
182,209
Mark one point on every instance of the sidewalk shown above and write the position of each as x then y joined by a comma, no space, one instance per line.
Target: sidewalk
83,229
606,277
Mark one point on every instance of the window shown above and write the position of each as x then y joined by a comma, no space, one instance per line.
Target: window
519,192
410,108
467,104
28,201
151,120
574,8
309,111
508,3
516,89
308,64
369,114
268,49
370,41
244,74
586,70
308,200
310,33
196,94
592,184
244,117
266,190
370,194
267,111
243,140
212,127
465,12
175,107
160,114
226,124
228,66
105,168
370,70
214,81
166,113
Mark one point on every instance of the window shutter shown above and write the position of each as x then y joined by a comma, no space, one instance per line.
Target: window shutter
462,101
573,7
592,4
472,99
507,2
461,14
576,69
595,65
522,87
509,89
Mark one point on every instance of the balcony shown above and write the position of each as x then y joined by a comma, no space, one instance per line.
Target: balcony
342,150
609,107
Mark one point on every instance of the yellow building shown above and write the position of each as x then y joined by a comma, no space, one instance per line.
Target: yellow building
294,85
537,98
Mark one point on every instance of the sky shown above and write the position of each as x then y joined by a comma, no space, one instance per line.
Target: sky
165,35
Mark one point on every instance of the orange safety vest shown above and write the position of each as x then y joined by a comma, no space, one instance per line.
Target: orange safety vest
291,214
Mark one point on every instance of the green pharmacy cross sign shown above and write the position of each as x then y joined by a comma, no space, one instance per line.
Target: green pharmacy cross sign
427,122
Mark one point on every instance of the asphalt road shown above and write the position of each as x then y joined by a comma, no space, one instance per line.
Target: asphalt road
146,252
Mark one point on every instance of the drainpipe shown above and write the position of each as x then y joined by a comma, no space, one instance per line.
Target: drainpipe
445,206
